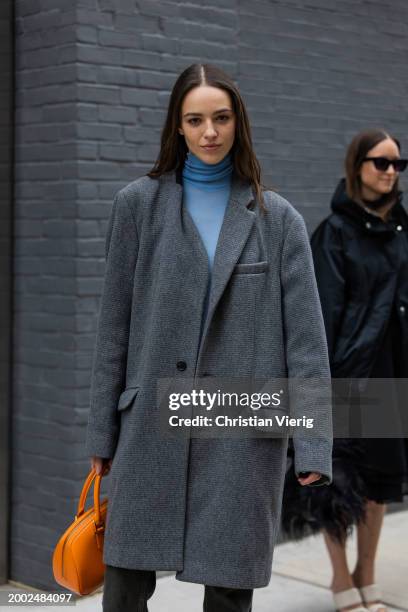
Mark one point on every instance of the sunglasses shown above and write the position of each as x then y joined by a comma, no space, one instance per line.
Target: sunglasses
383,163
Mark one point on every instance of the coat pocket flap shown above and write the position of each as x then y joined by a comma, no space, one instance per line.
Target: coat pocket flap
127,397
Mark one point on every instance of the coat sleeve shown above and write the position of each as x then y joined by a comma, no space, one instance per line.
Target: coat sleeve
306,354
110,352
328,256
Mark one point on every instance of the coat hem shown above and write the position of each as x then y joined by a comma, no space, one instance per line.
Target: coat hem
232,584
143,565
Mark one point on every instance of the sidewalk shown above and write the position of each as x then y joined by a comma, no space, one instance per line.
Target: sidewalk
301,575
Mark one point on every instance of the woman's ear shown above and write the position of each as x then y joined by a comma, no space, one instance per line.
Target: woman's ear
180,131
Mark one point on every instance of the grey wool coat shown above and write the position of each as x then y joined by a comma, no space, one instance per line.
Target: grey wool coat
208,509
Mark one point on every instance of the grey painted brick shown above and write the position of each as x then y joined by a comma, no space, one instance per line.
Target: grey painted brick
85,361
87,34
31,208
86,287
194,31
85,323
160,43
88,304
154,117
210,52
48,20
61,112
122,6
111,38
226,4
44,248
87,150
96,131
140,97
27,115
28,228
91,248
51,38
88,73
28,7
52,265
98,170
56,227
47,75
136,23
141,59
98,55
117,76
130,172
147,153
118,152
50,93
89,209
141,135
87,190
98,93
98,18
67,54
86,266
45,152
211,16
156,80
117,114
87,229
162,9
86,112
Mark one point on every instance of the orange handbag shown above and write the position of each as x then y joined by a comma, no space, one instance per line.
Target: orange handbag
77,560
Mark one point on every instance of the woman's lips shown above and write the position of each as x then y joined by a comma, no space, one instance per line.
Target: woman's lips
211,147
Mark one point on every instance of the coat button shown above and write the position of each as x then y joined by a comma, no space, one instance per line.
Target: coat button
368,225
181,366
402,308
399,228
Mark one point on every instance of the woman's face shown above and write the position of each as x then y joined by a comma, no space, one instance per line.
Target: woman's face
208,123
376,183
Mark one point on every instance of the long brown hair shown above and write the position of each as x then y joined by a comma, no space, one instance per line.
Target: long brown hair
173,148
356,152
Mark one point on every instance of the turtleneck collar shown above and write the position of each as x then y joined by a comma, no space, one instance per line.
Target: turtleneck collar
207,177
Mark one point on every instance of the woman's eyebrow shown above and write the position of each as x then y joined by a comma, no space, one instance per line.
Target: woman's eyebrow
221,110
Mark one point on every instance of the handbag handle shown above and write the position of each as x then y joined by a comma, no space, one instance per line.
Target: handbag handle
84,493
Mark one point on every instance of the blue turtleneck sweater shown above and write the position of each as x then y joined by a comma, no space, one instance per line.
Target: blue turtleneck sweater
206,191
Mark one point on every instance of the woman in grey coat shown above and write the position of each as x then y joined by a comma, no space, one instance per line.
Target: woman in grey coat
207,275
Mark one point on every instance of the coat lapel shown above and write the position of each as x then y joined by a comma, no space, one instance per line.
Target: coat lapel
191,258
235,229
186,255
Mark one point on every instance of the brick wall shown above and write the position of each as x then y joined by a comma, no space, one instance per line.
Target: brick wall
6,183
93,80
46,374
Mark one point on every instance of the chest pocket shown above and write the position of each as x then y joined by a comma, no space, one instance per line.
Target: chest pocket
251,268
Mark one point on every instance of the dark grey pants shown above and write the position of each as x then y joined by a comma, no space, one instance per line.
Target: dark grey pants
127,590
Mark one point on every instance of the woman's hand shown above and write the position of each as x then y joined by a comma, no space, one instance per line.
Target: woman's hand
306,480
101,465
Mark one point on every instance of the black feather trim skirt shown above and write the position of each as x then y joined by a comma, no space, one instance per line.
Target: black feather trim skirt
334,508
374,469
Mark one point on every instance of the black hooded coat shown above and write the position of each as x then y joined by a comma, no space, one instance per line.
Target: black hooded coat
361,266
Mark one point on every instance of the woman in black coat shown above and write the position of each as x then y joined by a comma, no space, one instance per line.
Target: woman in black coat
361,262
